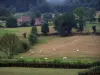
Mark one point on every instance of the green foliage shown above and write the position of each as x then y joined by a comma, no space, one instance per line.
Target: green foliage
64,23
33,36
32,39
34,30
25,24
11,22
83,14
92,71
48,63
9,43
4,12
45,28
38,14
47,16
58,21
32,22
80,12
99,19
24,46
91,13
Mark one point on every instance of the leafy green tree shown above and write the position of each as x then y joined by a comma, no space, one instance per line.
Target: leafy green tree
90,14
9,43
32,22
45,28
11,22
64,23
4,12
58,21
81,13
34,30
33,36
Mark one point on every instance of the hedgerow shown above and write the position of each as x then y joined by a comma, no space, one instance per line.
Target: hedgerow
45,63
92,71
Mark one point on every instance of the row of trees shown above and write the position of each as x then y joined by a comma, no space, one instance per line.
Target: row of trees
65,22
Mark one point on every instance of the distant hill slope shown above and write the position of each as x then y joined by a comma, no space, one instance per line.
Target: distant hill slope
23,5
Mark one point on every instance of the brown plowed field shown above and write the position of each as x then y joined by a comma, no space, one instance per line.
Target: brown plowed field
88,46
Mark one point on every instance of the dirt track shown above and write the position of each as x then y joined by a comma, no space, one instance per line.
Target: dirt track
88,46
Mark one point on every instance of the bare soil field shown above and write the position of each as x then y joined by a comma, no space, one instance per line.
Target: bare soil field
74,46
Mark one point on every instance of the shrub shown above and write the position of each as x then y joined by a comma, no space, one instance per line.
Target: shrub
92,71
45,28
9,43
33,36
32,39
34,30
95,70
24,24
11,22
24,46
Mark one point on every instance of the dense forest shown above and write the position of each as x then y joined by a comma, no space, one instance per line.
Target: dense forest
46,6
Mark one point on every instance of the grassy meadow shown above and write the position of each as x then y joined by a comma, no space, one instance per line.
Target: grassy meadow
38,71
64,45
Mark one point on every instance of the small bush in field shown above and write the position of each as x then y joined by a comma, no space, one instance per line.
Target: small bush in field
34,30
33,36
11,22
24,46
9,43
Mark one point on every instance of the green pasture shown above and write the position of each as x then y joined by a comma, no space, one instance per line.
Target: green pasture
38,71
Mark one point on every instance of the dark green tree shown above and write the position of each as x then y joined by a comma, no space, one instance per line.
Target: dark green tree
45,28
81,14
11,22
4,13
34,30
33,36
64,24
32,22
